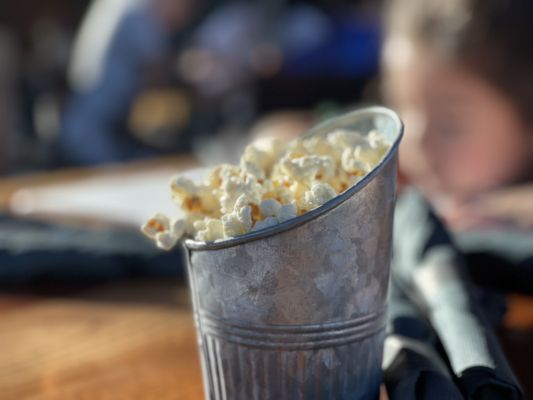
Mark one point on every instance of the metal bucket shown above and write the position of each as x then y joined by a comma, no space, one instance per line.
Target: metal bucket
298,311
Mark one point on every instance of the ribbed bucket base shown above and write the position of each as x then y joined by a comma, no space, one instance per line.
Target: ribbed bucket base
350,371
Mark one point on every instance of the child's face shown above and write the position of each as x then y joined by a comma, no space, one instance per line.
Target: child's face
462,136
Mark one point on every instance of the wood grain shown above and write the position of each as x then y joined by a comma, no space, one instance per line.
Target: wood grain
79,349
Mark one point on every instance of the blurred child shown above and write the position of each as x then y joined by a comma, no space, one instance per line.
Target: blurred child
459,73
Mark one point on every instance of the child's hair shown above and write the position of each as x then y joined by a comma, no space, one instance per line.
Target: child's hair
492,38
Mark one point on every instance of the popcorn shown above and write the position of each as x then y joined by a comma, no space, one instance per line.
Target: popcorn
220,174
259,157
209,229
342,139
319,194
344,180
159,223
178,227
240,220
351,163
298,189
253,169
266,223
279,191
261,160
190,219
192,197
319,146
377,141
273,183
232,187
273,147
237,223
308,168
270,208
165,240
286,212
369,154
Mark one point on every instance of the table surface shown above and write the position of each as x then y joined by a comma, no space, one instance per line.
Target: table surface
132,340
123,340
128,340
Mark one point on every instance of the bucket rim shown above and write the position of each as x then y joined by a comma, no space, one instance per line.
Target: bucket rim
373,111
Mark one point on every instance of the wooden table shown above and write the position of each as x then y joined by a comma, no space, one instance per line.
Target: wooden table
133,340
122,341
127,340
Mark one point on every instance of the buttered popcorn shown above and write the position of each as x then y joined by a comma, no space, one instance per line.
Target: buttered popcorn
273,183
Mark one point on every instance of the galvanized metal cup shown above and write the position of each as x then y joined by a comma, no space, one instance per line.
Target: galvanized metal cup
297,311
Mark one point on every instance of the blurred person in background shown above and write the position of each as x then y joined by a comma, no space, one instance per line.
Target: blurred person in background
122,49
214,73
459,73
